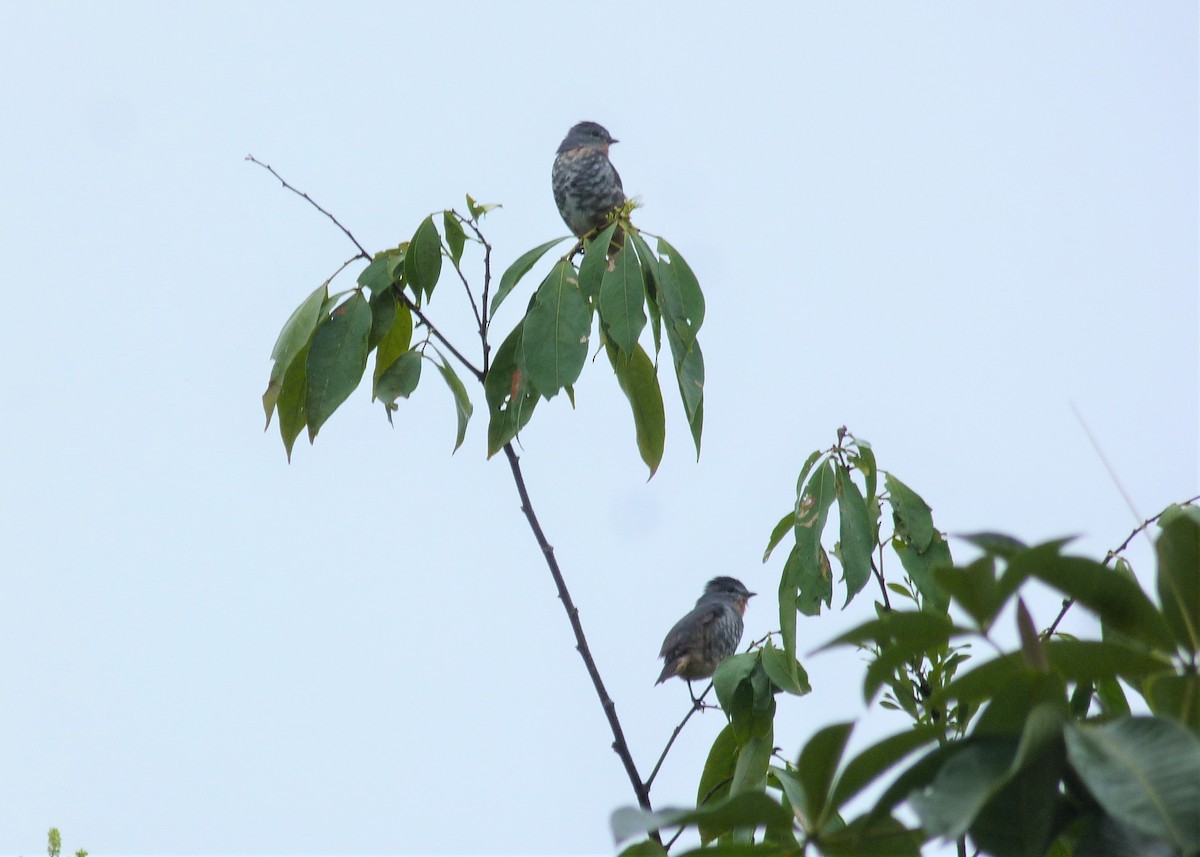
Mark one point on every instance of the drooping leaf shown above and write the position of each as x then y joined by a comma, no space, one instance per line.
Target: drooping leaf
812,511
595,262
785,525
462,402
635,374
622,302
518,269
510,396
754,757
856,542
423,262
384,307
680,297
819,762
399,379
1145,772
456,238
336,360
650,277
293,338
1178,550
555,342
392,344
292,416
996,544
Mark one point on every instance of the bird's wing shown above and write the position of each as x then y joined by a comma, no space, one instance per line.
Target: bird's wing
685,628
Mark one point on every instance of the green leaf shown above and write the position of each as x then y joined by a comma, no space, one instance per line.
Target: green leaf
555,343
966,782
383,271
399,379
292,416
650,277
913,517
384,308
920,567
1118,600
730,673
680,297
786,523
1030,797
818,763
812,511
518,269
622,300
511,397
647,848
871,836
456,239
871,763
1145,772
754,757
336,360
1178,550
293,338
856,543
635,374
478,209
462,402
793,790
595,263
973,587
689,372
1176,696
423,262
717,775
392,344
995,544
785,671
744,811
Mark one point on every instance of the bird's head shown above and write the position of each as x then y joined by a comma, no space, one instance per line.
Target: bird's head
589,134
729,588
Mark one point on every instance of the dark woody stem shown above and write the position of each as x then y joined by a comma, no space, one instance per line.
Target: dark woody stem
581,645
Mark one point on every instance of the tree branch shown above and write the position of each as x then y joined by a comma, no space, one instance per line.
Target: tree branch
581,644
1112,554
310,201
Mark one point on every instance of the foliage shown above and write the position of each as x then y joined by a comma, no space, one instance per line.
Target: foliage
54,844
322,352
1029,752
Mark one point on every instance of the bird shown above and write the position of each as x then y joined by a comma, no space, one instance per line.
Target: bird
587,187
708,634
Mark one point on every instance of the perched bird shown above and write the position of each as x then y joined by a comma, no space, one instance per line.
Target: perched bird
708,634
586,185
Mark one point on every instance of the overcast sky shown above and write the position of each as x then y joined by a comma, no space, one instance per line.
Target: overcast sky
938,224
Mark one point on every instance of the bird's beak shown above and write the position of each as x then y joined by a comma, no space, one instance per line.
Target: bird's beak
610,142
750,595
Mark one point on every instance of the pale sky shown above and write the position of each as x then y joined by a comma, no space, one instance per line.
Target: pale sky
938,224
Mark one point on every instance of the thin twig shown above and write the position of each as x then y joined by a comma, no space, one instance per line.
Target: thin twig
1109,557
363,254
581,643
698,705
311,202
